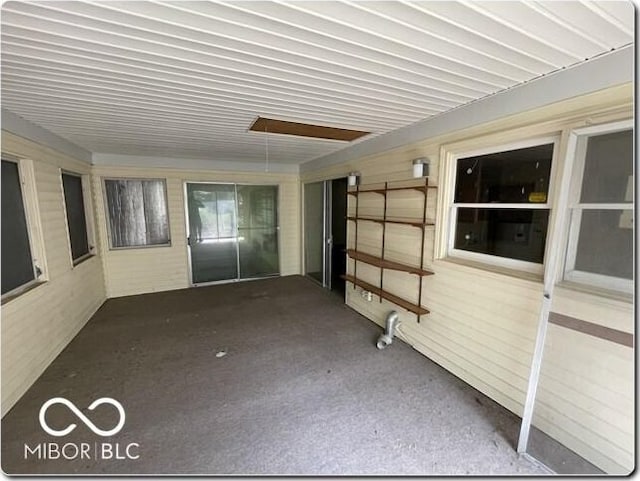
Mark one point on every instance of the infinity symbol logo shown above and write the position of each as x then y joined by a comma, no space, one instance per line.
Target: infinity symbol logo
82,417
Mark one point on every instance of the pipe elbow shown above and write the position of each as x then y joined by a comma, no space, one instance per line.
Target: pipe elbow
384,341
387,338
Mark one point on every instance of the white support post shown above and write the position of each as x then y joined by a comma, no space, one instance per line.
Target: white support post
534,377
550,273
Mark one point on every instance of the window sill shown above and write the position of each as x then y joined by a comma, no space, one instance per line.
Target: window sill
82,259
150,246
28,287
596,291
494,269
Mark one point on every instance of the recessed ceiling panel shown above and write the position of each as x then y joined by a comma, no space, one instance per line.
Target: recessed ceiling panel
274,126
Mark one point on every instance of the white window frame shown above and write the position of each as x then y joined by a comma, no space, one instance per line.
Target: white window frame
505,262
576,155
26,174
88,216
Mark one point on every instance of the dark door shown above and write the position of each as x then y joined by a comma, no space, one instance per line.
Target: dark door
338,234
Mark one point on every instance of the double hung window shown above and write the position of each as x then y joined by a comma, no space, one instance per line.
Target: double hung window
76,216
600,243
21,267
500,208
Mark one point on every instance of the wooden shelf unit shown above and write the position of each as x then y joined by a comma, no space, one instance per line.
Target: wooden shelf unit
383,263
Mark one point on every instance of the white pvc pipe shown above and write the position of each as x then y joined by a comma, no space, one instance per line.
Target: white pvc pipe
387,338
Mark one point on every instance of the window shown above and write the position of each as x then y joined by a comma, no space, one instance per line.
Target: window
137,211
600,247
500,209
76,216
20,267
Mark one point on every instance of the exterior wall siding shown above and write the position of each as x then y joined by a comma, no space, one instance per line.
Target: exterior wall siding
38,324
154,269
586,395
483,320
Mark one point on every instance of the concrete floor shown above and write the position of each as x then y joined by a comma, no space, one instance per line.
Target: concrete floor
301,390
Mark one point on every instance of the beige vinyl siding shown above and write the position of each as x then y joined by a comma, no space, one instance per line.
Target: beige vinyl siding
38,324
587,383
162,268
483,319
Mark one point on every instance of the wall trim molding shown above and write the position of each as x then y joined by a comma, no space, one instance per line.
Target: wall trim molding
24,128
592,329
118,160
607,70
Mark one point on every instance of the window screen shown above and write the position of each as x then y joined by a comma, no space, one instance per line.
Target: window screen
603,217
137,212
76,218
17,262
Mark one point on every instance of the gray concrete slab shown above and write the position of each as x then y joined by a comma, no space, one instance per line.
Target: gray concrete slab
301,390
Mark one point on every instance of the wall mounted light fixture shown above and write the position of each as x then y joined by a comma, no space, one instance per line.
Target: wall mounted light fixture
421,167
353,178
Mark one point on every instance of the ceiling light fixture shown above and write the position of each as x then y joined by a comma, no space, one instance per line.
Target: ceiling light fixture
421,167
353,178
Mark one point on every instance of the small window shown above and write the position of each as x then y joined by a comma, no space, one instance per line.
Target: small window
600,248
76,216
137,212
19,268
500,210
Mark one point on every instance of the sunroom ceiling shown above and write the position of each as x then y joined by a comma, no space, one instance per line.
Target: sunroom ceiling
187,79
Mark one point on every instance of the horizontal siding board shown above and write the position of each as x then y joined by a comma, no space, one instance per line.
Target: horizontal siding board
588,444
608,312
585,351
603,414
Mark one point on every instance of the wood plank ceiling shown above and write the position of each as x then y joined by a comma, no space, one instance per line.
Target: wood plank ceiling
187,79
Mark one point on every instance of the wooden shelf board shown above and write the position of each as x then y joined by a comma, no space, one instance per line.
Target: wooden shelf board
368,191
370,219
387,264
419,188
409,306
414,223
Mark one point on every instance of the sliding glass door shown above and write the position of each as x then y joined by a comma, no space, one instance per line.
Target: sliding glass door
258,230
315,231
232,231
325,232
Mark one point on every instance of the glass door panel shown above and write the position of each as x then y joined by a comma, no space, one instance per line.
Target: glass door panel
314,232
258,230
213,231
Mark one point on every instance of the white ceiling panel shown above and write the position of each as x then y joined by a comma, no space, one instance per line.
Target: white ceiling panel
187,79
